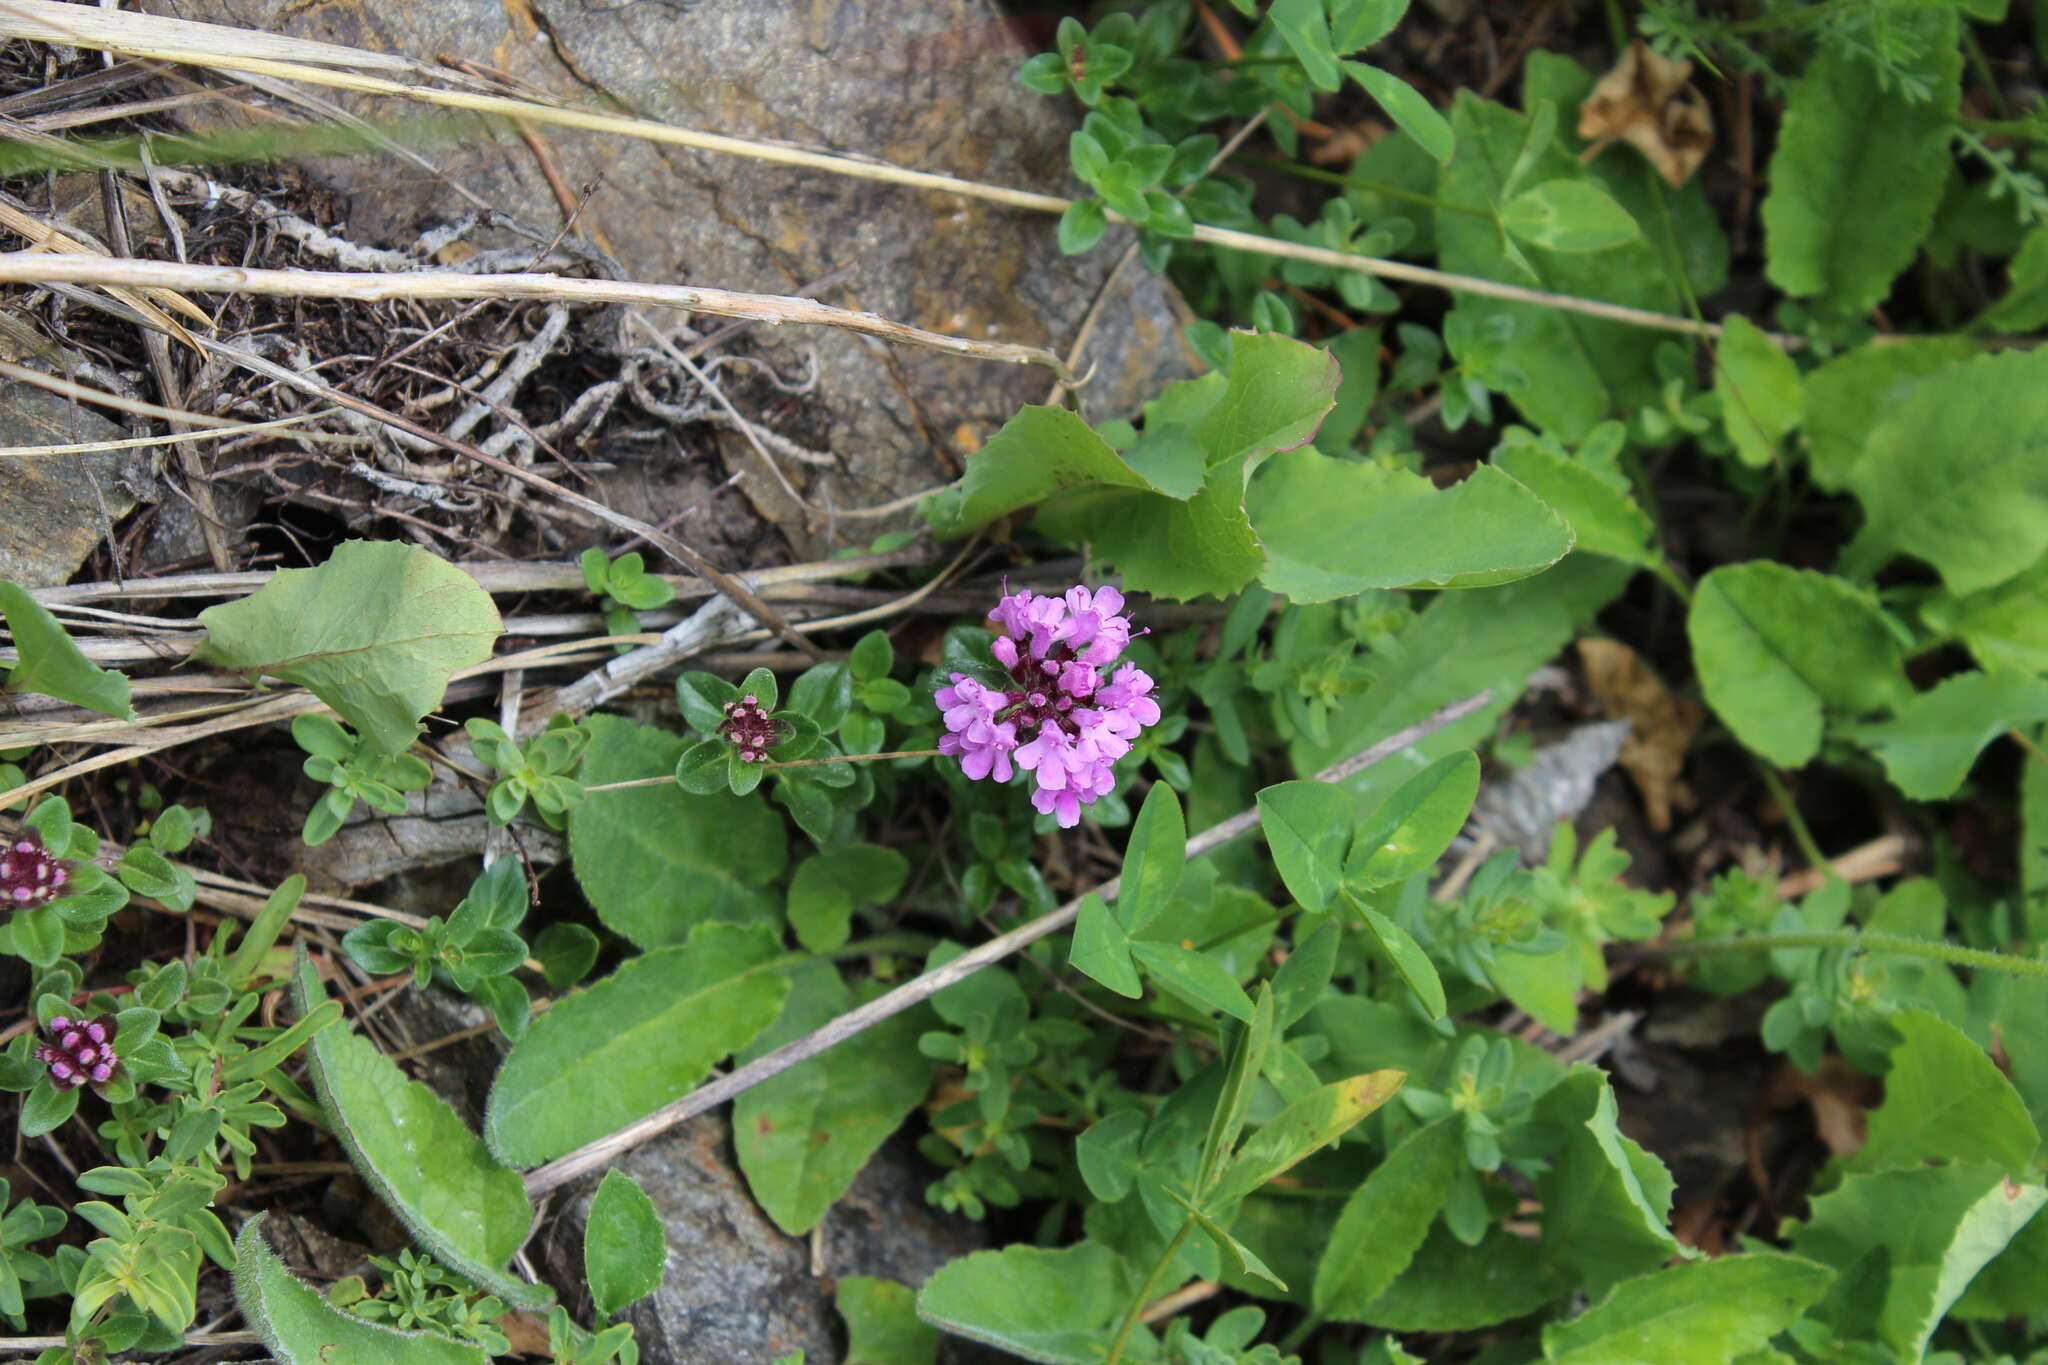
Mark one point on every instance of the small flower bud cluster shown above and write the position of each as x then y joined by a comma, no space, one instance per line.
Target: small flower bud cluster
750,729
1064,717
29,876
80,1052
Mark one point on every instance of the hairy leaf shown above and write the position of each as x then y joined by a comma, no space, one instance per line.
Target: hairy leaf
300,1328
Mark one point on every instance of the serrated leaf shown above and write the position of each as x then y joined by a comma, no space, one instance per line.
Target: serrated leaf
656,862
418,1156
804,1135
1410,830
1770,674
882,1326
1399,530
1762,400
1154,857
648,1032
1058,1307
50,661
1385,1221
1193,977
1928,748
1102,951
624,1248
1309,1123
1859,169
1945,1100
1606,1201
1604,519
301,1328
1569,215
1956,474
375,633
1704,1314
1906,1243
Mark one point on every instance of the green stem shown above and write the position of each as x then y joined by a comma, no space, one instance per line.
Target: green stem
1979,959
1147,1290
1296,169
1809,848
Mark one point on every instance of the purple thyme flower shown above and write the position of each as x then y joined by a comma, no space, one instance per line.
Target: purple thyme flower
1063,718
29,876
80,1051
750,729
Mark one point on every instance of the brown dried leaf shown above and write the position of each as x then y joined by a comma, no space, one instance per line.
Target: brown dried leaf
1350,142
1646,102
1840,1097
1662,724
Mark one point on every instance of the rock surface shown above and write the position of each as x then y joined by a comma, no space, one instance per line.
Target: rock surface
929,85
58,508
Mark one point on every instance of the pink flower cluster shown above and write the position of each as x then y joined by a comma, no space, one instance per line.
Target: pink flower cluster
29,876
1064,717
80,1051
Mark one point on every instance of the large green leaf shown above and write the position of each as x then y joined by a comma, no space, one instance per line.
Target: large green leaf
1102,949
1155,856
1060,1307
634,1041
1927,749
624,1248
1760,392
2006,627
2025,304
1945,1100
1307,827
1776,646
1907,1242
882,1326
1957,474
657,861
804,1135
375,633
1202,547
828,885
1604,518
1704,1314
1606,1201
50,661
1316,1119
1859,168
299,1327
1398,530
1385,1221
1566,371
1450,1287
1036,454
1851,393
418,1156
1410,830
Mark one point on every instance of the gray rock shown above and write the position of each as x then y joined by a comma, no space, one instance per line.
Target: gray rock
930,85
54,509
736,1289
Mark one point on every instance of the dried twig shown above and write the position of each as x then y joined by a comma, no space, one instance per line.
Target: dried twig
593,1155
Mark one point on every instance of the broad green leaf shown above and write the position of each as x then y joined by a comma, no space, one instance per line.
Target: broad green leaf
417,1155
1305,26
1193,977
829,885
1399,530
1415,115
1769,672
1060,1307
375,633
624,1248
1313,1121
1928,748
1307,826
804,1135
301,1328
1758,385
1704,1314
1385,1221
1450,1287
2015,1283
656,862
1036,454
1413,964
51,663
1569,215
1853,392
1409,831
1102,950
1565,371
882,1326
2006,627
634,1041
1604,519
1905,1244
1957,474
1606,1201
1306,973
1154,857
2025,303
1945,1100
1859,169
1107,1154
1277,395
1203,547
